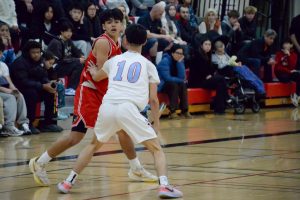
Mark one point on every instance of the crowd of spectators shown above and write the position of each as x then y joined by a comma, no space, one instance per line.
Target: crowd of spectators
66,30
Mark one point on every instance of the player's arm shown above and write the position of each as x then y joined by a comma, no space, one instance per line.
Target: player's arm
154,103
101,51
96,73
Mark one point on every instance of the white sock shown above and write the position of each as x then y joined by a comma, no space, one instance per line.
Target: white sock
44,158
135,164
163,180
72,177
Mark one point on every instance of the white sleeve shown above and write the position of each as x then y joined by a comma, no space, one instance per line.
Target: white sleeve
202,28
106,66
152,73
4,69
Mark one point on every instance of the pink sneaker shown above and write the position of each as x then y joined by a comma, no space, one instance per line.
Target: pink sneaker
168,192
64,187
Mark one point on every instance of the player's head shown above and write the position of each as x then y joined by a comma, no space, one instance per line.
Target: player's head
112,22
136,35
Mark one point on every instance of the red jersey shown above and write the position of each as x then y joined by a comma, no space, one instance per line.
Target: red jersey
86,76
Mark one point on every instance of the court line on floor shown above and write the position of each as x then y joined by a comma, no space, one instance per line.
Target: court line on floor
5,165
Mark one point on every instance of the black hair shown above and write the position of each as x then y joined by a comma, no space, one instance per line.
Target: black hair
31,44
65,25
175,47
286,40
206,56
44,8
136,34
233,13
76,6
3,24
108,14
48,55
2,46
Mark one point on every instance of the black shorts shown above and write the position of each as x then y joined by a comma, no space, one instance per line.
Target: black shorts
80,127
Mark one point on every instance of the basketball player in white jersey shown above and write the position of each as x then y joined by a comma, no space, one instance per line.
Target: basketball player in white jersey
132,83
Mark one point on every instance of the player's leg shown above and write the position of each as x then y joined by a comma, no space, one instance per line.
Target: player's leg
82,161
165,189
37,164
137,171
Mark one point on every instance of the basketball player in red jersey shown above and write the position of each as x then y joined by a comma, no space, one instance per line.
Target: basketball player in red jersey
87,101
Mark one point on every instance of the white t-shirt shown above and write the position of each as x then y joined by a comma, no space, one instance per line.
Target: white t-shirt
4,71
129,75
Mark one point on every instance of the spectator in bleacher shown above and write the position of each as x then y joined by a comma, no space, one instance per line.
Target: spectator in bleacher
248,24
211,22
285,68
157,40
44,25
57,6
187,31
169,25
232,29
203,74
94,25
126,20
80,35
192,17
8,55
295,37
173,2
171,71
111,4
258,53
69,58
14,103
33,83
141,7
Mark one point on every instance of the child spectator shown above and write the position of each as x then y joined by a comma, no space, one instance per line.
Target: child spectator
33,83
8,55
248,23
231,28
80,34
45,23
211,22
203,74
258,53
285,68
15,110
171,71
70,58
93,21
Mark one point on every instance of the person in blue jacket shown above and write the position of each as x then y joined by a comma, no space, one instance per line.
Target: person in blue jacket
171,71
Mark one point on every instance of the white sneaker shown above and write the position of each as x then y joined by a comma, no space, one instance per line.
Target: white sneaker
39,172
169,192
13,131
141,175
26,129
295,99
64,187
70,92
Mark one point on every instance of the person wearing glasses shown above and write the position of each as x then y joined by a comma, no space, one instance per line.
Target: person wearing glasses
171,71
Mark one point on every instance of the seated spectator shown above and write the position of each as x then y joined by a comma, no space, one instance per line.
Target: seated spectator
258,53
285,68
171,71
93,21
32,81
111,4
157,40
248,24
203,74
141,7
45,23
15,110
232,29
211,22
295,37
70,58
126,20
8,55
80,36
169,24
193,20
186,30
57,6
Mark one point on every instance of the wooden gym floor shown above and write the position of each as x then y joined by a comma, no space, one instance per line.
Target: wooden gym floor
230,157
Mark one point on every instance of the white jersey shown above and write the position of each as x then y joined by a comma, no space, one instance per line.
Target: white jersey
129,75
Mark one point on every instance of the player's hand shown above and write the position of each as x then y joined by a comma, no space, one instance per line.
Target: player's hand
92,68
